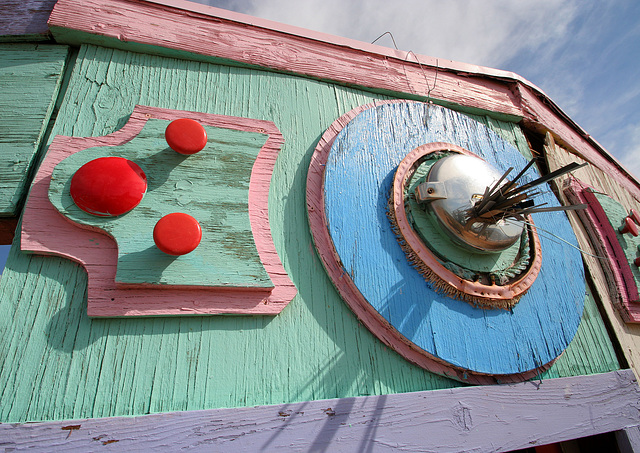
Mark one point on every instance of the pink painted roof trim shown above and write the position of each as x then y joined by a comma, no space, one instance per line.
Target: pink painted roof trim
405,56
280,47
327,38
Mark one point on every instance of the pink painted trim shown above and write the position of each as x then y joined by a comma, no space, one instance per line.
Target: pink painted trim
45,231
477,289
326,38
622,285
211,32
347,288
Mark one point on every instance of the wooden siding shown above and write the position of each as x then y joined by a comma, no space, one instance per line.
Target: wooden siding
473,419
56,363
628,335
30,77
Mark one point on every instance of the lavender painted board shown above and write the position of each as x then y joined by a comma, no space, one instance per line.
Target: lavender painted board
479,419
25,19
358,178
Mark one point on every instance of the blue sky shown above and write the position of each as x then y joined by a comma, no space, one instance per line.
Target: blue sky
584,54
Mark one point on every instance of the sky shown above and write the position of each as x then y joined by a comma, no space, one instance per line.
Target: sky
584,54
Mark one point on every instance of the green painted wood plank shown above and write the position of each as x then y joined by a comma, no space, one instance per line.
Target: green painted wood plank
218,181
30,78
56,363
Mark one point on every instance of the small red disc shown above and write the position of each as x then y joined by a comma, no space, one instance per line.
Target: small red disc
185,136
177,234
629,226
108,186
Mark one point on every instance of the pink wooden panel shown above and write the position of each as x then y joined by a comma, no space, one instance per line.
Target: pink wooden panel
46,231
622,285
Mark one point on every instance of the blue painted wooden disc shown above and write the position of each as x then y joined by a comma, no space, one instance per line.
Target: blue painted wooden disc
358,178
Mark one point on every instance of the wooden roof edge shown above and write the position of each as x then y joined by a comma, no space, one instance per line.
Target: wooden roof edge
434,62
581,132
219,35
245,19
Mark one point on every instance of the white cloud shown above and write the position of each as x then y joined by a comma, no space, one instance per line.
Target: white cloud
566,47
486,33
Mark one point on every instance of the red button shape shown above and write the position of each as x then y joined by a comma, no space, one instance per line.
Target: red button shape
185,136
108,186
177,234
629,226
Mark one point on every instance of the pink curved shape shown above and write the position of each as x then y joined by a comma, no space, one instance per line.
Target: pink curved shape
488,293
618,274
46,231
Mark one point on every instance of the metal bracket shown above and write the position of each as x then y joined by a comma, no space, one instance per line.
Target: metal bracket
429,191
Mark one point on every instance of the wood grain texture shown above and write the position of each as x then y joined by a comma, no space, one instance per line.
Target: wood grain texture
23,20
476,419
154,26
489,292
56,363
352,171
628,335
202,34
30,77
623,288
212,186
45,231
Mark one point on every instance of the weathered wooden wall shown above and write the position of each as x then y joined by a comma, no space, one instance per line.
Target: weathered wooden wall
627,334
30,77
177,28
56,363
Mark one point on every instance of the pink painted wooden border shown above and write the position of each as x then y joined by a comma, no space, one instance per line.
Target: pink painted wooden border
46,231
208,33
349,291
622,285
494,292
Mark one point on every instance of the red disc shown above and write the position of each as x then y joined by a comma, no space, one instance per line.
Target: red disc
108,186
177,234
629,227
185,136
